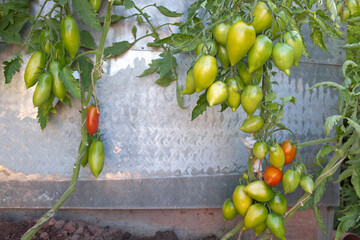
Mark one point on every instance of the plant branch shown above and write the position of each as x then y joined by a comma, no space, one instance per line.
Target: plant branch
233,231
318,141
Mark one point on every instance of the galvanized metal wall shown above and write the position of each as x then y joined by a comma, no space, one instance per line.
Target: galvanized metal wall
156,158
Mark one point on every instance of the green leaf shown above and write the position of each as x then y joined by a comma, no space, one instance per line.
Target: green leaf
166,12
288,99
352,46
355,181
331,6
201,106
114,18
269,97
11,34
86,13
86,67
348,64
12,66
44,112
133,31
63,2
328,84
87,40
344,174
153,67
319,219
355,125
129,4
70,82
140,19
317,36
117,48
347,221
165,80
179,96
319,191
118,2
330,122
167,63
224,106
181,41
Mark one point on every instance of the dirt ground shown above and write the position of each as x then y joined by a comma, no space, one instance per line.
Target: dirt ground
76,230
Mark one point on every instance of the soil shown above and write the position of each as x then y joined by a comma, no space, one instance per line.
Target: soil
76,230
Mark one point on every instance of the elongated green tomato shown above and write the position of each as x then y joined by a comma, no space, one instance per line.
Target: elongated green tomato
283,57
259,191
223,57
190,84
259,229
228,210
259,53
43,89
293,39
260,150
282,20
252,125
262,18
241,37
58,87
205,71
251,98
217,93
290,181
210,48
96,157
307,184
95,4
345,15
256,214
277,156
246,76
44,41
220,33
70,35
276,225
34,68
234,98
339,7
241,200
278,204
352,6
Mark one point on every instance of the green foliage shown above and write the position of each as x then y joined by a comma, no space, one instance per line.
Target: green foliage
117,48
86,40
72,85
86,13
12,66
200,107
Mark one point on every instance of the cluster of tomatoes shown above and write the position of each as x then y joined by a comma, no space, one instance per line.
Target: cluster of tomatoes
347,9
248,200
232,44
44,68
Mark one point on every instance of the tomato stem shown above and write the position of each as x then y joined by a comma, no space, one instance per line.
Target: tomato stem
233,231
318,141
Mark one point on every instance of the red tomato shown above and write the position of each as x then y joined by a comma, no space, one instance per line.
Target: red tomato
272,176
92,121
289,150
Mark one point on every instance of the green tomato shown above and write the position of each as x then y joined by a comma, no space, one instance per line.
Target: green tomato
246,76
34,68
277,156
290,181
251,97
210,48
223,56
70,35
44,41
220,33
259,53
262,18
260,150
228,210
217,93
190,84
278,204
300,168
241,200
259,229
240,38
345,15
259,191
58,87
95,4
276,225
252,125
205,71
256,215
234,98
307,184
96,157
293,39
283,57
352,6
43,89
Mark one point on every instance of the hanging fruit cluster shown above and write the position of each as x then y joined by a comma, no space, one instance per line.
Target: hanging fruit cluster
348,9
258,202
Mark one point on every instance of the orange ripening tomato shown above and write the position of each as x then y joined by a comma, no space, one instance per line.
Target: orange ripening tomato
272,176
289,150
92,120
